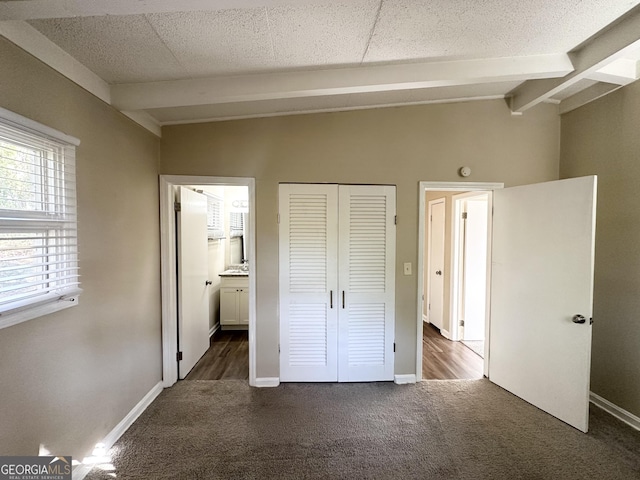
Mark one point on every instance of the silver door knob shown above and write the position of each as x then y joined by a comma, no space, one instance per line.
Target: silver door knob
579,318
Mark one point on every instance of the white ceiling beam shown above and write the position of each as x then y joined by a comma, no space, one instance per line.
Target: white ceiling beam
338,81
587,95
145,120
40,9
614,43
35,43
622,71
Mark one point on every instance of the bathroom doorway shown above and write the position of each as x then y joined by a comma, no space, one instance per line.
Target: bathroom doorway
224,343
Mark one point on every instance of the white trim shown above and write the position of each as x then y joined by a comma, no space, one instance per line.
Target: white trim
603,49
168,268
422,189
404,379
113,436
612,409
425,319
7,116
214,329
35,43
226,118
267,382
146,121
30,312
336,81
80,471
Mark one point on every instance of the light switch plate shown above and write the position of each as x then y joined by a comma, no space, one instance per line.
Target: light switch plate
407,268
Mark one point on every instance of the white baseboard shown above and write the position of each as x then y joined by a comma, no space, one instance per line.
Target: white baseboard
80,471
404,379
445,333
611,408
267,382
214,329
425,319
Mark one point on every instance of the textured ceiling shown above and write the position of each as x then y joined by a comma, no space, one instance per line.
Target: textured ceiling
283,36
168,46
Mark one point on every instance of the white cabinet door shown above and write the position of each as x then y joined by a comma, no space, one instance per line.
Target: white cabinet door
229,306
542,275
308,283
193,272
243,306
314,345
366,283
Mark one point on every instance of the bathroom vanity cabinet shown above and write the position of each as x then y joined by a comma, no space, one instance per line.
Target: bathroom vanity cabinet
234,302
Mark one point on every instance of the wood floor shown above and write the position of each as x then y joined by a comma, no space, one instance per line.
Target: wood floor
443,359
226,359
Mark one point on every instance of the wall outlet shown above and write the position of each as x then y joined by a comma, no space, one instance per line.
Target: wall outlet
407,268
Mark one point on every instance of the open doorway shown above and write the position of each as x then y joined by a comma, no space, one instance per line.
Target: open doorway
227,285
453,280
221,278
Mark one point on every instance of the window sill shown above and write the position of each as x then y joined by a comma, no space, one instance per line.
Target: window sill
10,318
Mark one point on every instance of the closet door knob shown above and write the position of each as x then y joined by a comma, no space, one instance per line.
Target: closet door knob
208,282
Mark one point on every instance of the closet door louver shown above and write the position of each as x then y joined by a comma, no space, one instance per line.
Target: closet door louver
367,277
337,280
308,283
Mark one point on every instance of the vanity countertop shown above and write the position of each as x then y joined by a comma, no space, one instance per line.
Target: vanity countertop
234,273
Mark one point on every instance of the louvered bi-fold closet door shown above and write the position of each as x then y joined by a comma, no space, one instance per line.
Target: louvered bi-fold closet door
366,282
308,283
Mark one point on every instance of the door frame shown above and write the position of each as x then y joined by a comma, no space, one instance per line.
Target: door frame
168,266
456,254
430,205
423,187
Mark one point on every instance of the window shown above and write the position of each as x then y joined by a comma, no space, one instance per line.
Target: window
38,225
236,224
215,225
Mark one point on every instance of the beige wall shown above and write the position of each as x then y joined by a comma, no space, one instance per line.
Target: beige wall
603,138
68,378
399,146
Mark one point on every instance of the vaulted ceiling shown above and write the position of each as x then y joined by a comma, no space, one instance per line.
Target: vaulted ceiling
169,61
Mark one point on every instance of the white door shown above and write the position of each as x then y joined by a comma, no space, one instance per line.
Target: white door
337,281
475,267
308,252
435,302
366,282
193,270
542,276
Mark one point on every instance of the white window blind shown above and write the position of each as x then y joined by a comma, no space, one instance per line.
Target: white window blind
38,221
236,224
215,225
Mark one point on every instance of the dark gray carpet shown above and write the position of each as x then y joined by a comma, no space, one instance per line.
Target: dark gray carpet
460,429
